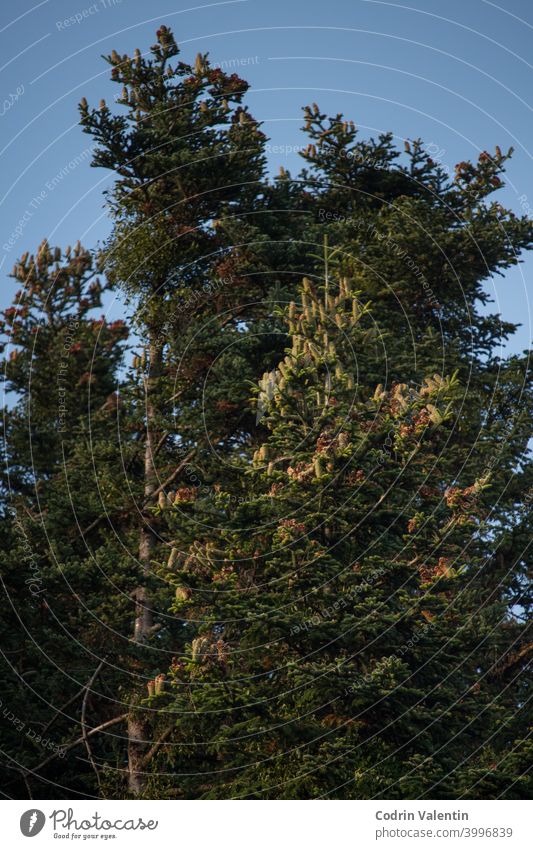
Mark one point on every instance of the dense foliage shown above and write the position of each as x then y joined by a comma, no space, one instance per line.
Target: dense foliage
268,536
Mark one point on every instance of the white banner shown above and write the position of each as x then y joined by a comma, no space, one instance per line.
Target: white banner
269,825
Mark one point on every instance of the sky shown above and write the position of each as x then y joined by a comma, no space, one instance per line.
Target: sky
454,73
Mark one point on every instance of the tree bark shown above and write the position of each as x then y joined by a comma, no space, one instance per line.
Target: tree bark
138,728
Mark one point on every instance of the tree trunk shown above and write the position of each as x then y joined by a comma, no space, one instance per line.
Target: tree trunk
138,727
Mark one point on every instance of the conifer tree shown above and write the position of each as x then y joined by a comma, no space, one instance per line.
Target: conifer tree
60,366
340,567
424,242
341,624
185,152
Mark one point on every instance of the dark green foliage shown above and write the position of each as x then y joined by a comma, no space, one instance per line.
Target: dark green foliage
313,585
58,626
341,616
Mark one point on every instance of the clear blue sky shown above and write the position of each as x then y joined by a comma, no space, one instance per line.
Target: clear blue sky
455,73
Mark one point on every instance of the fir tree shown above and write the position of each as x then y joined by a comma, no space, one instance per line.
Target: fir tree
424,244
60,368
337,621
185,152
338,568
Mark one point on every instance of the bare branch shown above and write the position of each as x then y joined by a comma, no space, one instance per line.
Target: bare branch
155,748
512,659
76,742
28,788
62,708
174,474
82,719
161,442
